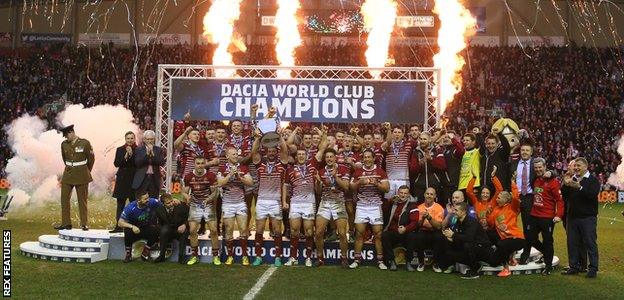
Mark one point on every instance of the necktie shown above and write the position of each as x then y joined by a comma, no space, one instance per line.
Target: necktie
524,181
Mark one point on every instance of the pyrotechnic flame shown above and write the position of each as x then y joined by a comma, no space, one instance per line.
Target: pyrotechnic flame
379,19
219,29
287,36
456,26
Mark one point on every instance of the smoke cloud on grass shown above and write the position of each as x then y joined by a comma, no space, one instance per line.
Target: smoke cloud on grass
617,178
37,166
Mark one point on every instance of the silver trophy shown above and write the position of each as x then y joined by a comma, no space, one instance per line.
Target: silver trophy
268,128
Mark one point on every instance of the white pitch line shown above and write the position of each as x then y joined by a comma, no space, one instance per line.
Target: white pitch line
611,219
260,283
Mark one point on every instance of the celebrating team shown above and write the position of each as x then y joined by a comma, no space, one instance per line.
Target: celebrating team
417,191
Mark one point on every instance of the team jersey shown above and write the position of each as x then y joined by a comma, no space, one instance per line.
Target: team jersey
310,152
234,190
436,211
138,216
483,208
505,218
369,194
397,160
343,156
270,180
379,154
547,201
200,186
240,143
216,149
301,179
331,191
187,156
470,167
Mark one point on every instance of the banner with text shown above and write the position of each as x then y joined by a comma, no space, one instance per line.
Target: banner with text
364,101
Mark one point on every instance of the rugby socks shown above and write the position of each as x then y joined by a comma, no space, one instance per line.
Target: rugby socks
196,251
294,246
278,245
358,256
229,244
309,243
215,252
128,251
379,258
258,244
244,245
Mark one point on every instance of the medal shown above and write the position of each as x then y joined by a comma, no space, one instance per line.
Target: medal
197,150
330,177
219,148
396,149
302,170
270,166
237,141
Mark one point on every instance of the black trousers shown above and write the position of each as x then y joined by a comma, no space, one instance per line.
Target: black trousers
466,253
121,204
150,184
168,233
546,227
526,204
581,233
149,232
504,248
433,240
391,239
493,236
583,257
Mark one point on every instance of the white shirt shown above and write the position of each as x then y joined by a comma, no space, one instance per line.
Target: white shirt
519,171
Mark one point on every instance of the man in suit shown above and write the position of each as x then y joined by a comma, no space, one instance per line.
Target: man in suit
525,177
78,159
148,160
581,192
124,161
172,217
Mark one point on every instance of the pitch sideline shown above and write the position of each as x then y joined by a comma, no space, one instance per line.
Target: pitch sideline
260,283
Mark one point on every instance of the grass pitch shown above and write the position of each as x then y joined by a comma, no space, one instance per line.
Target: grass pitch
34,279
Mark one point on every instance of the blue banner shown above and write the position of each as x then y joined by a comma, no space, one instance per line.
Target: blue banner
335,101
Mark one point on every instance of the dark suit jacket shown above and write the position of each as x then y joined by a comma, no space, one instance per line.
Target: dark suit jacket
142,161
583,202
125,174
178,216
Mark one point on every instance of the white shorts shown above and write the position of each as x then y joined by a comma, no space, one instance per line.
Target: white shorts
300,210
368,214
197,212
268,209
394,187
331,210
231,210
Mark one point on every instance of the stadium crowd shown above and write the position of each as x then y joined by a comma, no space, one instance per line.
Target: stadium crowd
341,177
546,90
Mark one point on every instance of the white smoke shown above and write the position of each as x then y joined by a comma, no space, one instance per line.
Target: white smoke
617,178
37,166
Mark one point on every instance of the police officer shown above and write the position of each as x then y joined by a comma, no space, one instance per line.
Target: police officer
78,159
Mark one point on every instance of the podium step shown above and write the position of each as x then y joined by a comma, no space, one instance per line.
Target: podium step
56,243
35,250
89,236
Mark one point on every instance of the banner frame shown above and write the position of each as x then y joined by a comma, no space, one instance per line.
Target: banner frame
167,72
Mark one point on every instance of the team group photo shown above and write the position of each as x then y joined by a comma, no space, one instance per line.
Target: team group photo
312,149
